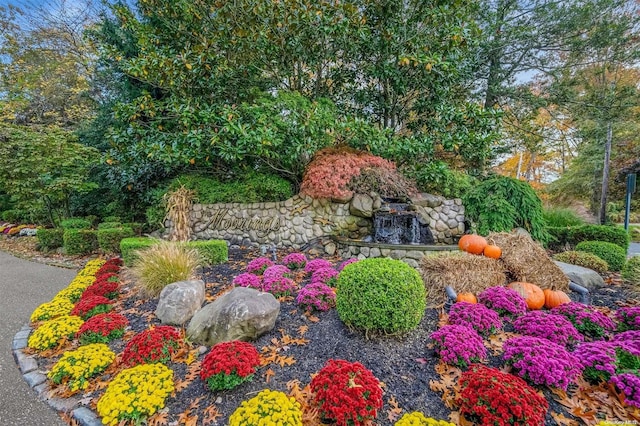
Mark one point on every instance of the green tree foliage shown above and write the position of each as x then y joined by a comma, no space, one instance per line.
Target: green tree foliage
42,169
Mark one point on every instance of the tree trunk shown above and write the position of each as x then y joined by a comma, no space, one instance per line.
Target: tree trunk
605,175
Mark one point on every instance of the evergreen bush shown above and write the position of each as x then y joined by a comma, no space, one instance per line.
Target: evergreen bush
49,239
380,295
109,225
129,247
79,241
212,252
584,259
75,223
631,271
109,238
614,255
561,217
570,236
501,203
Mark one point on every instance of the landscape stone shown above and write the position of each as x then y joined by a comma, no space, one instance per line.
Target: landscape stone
34,378
361,205
330,249
179,301
584,277
241,314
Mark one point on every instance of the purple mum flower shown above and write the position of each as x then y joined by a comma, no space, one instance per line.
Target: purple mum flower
504,300
459,345
258,266
315,264
295,260
598,360
631,336
316,296
628,318
276,271
479,317
347,262
555,328
541,361
328,276
629,384
248,280
279,286
586,319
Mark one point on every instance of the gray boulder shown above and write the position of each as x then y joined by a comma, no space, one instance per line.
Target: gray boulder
361,205
427,200
584,277
179,301
241,314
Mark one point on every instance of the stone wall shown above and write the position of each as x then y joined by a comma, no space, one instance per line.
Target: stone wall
301,220
409,254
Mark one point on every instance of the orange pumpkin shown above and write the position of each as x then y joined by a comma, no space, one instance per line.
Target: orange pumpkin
533,295
492,251
467,297
472,243
553,298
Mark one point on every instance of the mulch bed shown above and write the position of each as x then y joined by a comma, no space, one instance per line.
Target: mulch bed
300,345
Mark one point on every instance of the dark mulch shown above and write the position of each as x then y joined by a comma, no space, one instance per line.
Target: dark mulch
404,364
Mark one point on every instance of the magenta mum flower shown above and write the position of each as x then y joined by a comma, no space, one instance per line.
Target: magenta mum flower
276,271
328,276
295,260
248,280
555,328
315,264
459,345
504,300
316,296
257,266
629,385
586,319
474,315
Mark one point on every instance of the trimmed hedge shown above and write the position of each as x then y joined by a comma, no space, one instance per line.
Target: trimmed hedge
109,238
380,295
611,253
575,235
109,225
75,224
584,259
79,241
128,247
631,271
50,239
211,251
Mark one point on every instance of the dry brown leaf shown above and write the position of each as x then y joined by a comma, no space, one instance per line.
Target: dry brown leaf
394,411
310,412
562,420
285,360
302,330
161,418
211,415
313,318
268,375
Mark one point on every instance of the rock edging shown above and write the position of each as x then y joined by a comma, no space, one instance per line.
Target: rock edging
37,380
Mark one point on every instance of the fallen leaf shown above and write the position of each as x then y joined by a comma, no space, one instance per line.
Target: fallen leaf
211,415
161,418
394,412
268,375
302,330
562,420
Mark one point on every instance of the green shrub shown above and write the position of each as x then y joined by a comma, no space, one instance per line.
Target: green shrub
13,216
75,223
380,295
93,219
561,217
561,237
631,271
50,239
436,177
634,232
501,203
584,259
136,227
79,241
129,247
109,225
164,263
211,251
109,238
614,255
111,219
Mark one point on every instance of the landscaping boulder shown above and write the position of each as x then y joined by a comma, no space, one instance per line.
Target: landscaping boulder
424,199
241,314
584,277
179,301
361,205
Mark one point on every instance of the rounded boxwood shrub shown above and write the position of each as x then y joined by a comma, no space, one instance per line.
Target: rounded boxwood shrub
613,254
381,295
79,241
76,223
584,259
109,238
631,271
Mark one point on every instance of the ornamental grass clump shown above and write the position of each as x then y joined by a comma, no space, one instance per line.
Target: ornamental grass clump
459,345
276,271
587,320
259,265
229,364
347,393
294,261
541,361
54,332
555,328
489,397
505,301
315,264
268,408
418,419
75,368
328,276
316,296
90,306
628,318
477,316
157,344
102,328
59,306
136,394
629,385
247,279
162,264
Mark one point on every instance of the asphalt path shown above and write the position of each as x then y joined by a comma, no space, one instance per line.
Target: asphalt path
24,286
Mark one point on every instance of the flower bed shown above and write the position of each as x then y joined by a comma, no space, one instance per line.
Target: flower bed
75,368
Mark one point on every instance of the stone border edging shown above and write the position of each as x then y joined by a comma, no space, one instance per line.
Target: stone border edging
37,381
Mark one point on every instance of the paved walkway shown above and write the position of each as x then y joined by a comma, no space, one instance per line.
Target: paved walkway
24,286
634,249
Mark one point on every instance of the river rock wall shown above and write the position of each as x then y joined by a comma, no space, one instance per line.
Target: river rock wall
301,220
